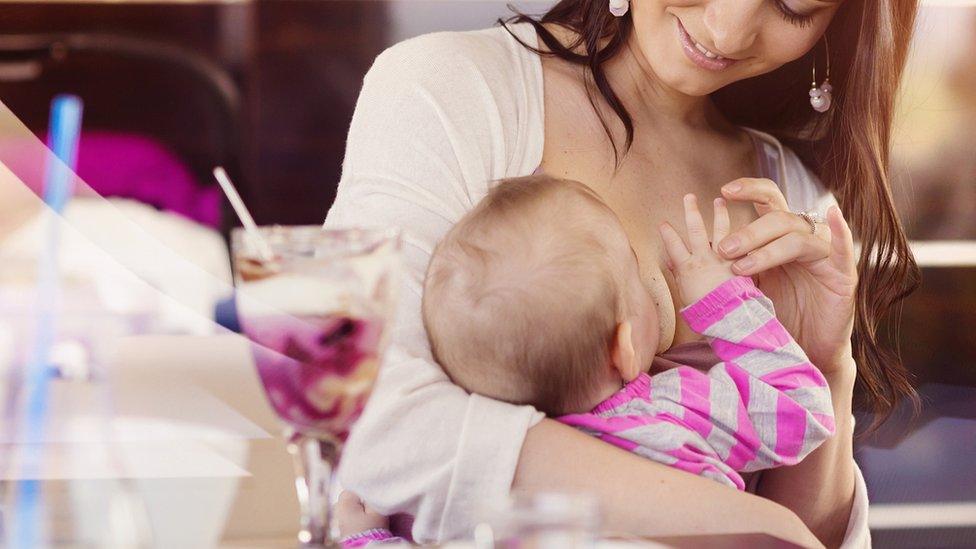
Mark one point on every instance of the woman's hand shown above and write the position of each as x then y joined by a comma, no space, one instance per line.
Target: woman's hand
812,281
811,277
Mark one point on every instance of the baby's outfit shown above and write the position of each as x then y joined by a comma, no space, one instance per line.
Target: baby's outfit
371,537
763,406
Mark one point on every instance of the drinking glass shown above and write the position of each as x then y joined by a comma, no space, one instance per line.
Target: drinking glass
317,312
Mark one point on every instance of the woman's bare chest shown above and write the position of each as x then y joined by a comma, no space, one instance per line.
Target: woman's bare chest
646,190
662,164
648,186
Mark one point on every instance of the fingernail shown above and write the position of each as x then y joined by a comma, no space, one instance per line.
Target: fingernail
730,245
745,263
732,188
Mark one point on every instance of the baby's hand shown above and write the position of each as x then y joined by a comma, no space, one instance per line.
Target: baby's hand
353,517
697,268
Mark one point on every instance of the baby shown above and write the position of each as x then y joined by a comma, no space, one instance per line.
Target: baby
535,297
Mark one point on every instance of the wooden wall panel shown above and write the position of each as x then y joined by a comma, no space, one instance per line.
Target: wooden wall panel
308,65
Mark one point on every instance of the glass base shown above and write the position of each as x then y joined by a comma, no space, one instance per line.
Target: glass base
315,461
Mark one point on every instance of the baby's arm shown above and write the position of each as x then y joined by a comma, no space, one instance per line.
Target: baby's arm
765,403
769,405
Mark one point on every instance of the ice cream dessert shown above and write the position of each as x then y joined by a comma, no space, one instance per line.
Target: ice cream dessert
316,345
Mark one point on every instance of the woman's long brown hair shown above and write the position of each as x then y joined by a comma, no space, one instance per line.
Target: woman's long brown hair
848,147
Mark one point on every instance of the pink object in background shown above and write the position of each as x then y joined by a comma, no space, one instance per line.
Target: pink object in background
125,165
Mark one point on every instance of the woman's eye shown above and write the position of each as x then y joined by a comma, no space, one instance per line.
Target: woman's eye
798,19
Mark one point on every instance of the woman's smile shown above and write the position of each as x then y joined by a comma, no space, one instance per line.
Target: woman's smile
699,54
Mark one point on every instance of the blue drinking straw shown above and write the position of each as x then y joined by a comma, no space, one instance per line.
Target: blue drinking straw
65,128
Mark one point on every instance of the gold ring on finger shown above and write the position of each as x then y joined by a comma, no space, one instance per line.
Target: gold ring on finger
812,218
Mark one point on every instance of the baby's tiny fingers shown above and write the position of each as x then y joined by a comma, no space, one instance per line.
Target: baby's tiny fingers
673,244
697,233
721,223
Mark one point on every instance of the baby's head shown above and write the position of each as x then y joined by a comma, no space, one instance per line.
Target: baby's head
535,297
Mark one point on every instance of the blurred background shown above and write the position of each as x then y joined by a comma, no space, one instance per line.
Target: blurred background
267,89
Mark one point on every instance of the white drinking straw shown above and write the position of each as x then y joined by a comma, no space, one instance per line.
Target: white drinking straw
264,249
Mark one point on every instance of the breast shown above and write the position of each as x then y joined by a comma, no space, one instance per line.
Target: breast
641,208
641,219
642,205
656,283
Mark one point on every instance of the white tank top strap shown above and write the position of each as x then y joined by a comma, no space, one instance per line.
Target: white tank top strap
772,158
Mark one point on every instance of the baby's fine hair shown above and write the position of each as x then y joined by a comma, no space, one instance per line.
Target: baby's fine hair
523,295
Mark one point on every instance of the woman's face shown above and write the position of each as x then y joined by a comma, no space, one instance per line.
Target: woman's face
698,46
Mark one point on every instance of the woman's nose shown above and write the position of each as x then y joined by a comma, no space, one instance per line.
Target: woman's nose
732,24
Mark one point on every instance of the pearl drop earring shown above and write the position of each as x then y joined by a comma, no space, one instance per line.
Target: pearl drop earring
820,97
619,7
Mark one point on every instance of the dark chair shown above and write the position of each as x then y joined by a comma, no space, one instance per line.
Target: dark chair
158,90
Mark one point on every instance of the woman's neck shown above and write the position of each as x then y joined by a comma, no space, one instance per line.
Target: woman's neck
646,96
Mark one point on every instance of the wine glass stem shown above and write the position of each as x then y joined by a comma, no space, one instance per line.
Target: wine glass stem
314,462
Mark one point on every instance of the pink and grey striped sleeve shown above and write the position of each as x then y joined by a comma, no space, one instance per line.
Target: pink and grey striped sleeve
767,404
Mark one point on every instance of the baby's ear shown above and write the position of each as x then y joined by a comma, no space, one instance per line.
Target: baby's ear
622,356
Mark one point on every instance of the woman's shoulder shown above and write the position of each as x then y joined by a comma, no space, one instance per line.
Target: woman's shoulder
475,97
489,56
441,116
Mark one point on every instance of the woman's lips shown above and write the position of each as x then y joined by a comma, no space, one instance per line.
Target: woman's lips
693,50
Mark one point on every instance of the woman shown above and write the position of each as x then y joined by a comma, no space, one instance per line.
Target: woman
643,101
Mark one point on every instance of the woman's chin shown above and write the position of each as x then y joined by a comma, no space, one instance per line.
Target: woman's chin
696,88
692,81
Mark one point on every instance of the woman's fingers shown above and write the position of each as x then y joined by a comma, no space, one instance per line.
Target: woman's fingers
785,249
763,193
720,223
673,245
762,231
842,254
697,233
